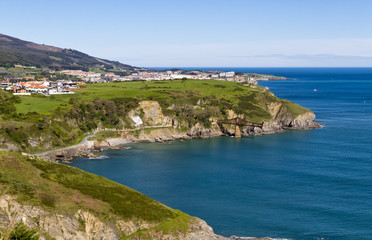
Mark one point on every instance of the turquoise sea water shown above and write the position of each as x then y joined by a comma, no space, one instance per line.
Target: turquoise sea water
300,184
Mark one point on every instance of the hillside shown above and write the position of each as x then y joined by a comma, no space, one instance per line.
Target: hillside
16,51
189,108
62,202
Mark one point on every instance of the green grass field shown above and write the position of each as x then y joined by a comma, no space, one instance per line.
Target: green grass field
41,105
166,92
161,90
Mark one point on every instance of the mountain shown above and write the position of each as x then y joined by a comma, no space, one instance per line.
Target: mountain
17,51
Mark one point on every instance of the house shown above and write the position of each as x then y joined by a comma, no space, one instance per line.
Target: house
35,86
17,89
4,84
52,90
230,74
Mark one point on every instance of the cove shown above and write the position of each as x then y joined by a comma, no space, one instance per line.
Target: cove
300,184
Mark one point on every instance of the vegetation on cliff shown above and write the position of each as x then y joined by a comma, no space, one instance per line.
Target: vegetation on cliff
36,123
63,189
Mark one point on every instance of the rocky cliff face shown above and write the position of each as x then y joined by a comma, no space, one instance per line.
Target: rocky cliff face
153,114
283,119
84,225
153,126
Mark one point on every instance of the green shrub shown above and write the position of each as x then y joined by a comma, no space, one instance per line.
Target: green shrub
21,232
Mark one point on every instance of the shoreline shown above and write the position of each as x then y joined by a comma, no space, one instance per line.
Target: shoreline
89,147
125,142
93,148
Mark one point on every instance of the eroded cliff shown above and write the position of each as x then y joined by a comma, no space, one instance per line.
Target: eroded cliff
150,124
191,108
62,202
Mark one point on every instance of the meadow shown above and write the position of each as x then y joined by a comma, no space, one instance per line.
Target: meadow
163,91
61,120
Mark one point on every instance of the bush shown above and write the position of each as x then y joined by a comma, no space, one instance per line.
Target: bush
21,232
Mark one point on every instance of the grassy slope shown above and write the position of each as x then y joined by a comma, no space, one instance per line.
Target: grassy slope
53,120
64,189
166,92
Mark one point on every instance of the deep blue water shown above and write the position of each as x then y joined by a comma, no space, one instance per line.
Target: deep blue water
301,184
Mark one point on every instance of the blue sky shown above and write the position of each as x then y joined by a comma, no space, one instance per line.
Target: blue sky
204,33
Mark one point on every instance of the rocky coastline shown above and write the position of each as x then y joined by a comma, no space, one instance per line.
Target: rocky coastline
161,128
69,227
152,126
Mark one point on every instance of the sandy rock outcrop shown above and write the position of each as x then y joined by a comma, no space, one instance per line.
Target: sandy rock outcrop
153,114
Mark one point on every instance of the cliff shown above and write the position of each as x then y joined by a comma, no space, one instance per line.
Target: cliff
85,225
143,111
154,126
63,202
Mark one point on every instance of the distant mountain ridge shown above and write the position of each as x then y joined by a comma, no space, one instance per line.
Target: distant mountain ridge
17,51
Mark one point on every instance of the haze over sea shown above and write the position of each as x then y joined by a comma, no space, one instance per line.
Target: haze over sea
300,184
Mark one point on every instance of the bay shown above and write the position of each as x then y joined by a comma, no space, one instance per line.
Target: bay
300,184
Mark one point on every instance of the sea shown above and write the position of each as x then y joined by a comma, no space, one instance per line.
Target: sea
300,184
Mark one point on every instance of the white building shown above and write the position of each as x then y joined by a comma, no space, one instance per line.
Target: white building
230,74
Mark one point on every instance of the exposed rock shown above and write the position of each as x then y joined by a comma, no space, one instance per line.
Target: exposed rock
200,230
160,128
231,114
84,225
52,224
67,154
274,109
282,119
153,115
130,227
303,121
199,130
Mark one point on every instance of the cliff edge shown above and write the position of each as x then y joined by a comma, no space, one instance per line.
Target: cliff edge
62,202
151,125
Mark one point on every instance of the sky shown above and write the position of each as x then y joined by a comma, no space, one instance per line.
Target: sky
203,33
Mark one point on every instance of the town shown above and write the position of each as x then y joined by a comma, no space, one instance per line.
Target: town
65,81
